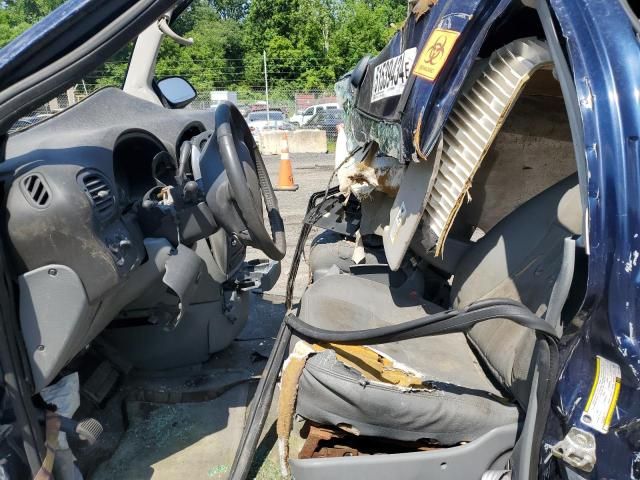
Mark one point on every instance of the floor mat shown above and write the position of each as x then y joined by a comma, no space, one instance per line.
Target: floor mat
188,440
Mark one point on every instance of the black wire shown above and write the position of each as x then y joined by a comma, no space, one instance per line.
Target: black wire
259,407
313,214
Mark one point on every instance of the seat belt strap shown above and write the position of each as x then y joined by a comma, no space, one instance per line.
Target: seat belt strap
444,322
562,285
52,429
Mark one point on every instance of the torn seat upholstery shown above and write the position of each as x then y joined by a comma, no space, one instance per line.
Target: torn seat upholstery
468,383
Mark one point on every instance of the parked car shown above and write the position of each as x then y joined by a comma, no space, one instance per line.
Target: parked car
262,120
244,109
261,106
303,116
30,120
327,120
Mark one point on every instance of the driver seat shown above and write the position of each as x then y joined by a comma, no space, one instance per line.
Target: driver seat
469,384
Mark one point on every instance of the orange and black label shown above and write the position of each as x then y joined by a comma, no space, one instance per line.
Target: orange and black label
435,53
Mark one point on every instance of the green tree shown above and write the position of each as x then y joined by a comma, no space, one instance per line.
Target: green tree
295,35
309,43
363,27
211,62
18,15
230,9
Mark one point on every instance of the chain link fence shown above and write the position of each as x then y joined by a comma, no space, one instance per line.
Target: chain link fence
294,106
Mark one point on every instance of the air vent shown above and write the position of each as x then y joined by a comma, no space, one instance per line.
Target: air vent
36,190
101,194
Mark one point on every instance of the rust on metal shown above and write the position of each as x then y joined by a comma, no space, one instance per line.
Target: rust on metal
329,442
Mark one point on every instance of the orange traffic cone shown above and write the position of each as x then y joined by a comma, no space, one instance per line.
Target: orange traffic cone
285,176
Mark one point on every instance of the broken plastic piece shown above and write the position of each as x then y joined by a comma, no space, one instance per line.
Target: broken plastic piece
183,271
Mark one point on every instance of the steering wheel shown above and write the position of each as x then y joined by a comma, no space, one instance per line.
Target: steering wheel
242,162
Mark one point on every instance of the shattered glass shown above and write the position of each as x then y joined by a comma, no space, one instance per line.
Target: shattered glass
361,129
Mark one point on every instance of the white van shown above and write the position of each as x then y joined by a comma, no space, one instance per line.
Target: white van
303,116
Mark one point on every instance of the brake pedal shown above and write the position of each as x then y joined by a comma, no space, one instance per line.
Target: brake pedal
88,429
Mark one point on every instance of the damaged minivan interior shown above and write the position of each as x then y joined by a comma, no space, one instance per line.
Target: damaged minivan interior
448,258
492,214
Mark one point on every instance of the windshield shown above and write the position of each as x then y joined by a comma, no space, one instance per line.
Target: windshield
262,116
239,52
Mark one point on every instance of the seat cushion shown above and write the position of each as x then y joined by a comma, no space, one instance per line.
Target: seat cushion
458,401
331,249
520,258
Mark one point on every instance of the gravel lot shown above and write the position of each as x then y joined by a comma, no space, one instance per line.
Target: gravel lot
311,172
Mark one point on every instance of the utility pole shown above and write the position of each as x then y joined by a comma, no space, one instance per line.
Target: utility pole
266,83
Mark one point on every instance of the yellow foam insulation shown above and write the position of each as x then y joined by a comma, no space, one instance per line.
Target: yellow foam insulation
371,364
291,371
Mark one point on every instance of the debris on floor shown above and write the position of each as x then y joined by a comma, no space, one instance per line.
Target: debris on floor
187,440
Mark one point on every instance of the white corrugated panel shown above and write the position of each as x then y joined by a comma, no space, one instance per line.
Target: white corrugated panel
473,124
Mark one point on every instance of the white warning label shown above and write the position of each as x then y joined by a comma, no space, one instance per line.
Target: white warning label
604,395
390,77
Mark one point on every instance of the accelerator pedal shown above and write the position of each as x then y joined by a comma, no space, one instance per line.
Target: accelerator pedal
101,383
89,430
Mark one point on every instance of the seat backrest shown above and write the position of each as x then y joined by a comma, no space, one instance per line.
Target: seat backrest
520,258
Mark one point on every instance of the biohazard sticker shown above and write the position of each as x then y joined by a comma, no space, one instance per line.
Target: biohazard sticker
390,77
435,53
604,395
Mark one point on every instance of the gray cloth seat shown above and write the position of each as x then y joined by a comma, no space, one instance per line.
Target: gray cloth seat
473,382
330,249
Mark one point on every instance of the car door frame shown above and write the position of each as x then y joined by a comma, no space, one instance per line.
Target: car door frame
85,34
595,44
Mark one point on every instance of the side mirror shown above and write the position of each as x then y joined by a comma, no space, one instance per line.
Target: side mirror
176,91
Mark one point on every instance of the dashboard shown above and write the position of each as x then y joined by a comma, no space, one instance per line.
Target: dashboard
74,186
76,178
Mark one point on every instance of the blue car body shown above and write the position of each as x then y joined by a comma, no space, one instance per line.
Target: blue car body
603,47
599,41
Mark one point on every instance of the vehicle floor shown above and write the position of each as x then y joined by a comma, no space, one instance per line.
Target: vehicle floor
197,439
187,423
